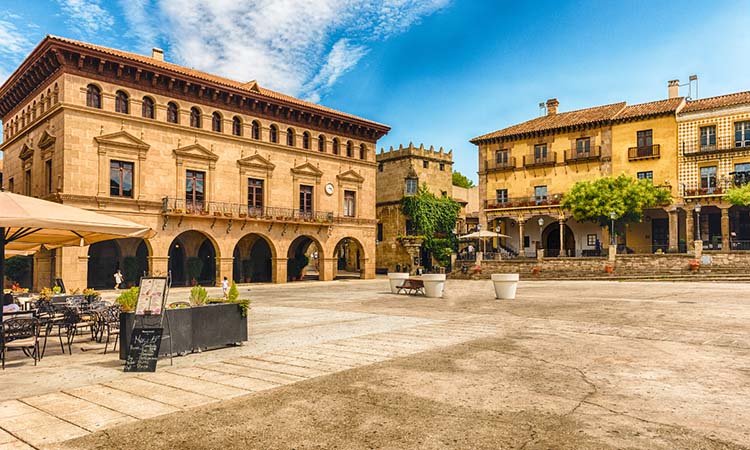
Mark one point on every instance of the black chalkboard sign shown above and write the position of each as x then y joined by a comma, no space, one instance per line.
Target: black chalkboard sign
143,351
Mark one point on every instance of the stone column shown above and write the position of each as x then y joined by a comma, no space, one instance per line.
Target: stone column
224,268
689,231
327,269
561,221
279,270
72,267
521,251
367,268
725,229
673,231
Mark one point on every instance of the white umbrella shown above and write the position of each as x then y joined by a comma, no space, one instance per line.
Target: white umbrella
483,234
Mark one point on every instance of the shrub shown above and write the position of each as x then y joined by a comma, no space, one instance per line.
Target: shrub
198,296
128,299
234,293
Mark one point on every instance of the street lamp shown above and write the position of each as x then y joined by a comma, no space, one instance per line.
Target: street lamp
698,219
612,228
541,224
497,230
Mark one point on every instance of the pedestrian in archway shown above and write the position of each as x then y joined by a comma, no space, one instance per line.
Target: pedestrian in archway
118,279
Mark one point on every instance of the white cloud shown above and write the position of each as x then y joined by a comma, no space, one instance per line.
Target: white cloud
13,45
86,16
299,47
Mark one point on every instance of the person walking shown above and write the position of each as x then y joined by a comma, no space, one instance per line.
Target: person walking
225,287
118,279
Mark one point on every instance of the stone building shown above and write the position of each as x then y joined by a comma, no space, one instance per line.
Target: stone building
237,180
402,172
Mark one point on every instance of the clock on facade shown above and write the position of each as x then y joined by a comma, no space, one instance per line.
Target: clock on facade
329,188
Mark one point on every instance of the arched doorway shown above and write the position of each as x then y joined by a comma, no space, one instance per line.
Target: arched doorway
551,239
192,259
303,259
253,260
104,260
349,255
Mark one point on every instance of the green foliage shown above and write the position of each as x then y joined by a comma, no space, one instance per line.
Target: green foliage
738,195
462,180
56,290
130,264
194,267
17,267
128,299
234,293
434,217
198,295
593,201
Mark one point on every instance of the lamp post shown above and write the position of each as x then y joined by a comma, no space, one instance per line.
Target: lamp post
612,228
479,229
541,224
497,230
698,220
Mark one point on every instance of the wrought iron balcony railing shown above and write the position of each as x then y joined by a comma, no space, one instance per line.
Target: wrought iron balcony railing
533,160
180,206
500,166
575,155
723,145
644,152
524,202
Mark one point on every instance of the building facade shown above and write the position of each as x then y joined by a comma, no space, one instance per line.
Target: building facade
237,180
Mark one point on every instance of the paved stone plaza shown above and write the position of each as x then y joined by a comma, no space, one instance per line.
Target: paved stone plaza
347,365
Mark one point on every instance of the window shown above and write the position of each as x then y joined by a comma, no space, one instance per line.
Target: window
305,199
540,152
254,195
442,167
274,134
349,203
644,139
173,113
335,146
306,140
540,194
526,242
237,126
290,137
216,122
11,184
121,179
501,196
425,164
708,179
380,167
741,174
349,149
256,130
195,190
122,103
591,240
362,151
412,184
93,96
583,146
742,134
646,176
48,176
708,138
501,157
27,182
147,108
195,117
380,232
321,143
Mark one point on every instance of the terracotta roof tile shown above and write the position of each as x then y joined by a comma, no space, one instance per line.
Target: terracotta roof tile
738,98
250,86
658,107
557,121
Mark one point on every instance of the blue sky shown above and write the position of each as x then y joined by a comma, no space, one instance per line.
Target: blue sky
437,71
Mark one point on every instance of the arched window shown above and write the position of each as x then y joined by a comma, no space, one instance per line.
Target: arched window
274,133
122,102
362,151
93,96
173,113
147,108
41,103
321,143
335,146
195,117
237,126
349,149
216,122
256,130
290,137
306,140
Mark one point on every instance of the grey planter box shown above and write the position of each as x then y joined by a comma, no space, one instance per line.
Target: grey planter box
198,328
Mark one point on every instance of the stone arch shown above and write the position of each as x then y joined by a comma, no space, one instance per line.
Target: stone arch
551,240
350,257
308,247
131,255
185,251
254,259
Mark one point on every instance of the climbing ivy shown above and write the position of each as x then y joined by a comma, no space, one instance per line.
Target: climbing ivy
434,218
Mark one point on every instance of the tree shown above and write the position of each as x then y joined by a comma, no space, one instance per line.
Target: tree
434,218
738,195
594,201
462,180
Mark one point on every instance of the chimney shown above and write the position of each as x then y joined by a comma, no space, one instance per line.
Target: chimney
674,88
157,54
552,105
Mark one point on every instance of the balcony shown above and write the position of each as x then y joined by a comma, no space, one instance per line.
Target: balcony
719,188
532,160
502,166
644,152
575,155
721,146
531,201
222,210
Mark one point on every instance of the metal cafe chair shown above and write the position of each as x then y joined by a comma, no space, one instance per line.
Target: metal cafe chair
20,334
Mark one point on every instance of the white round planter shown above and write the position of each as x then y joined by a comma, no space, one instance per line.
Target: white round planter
505,285
396,279
434,284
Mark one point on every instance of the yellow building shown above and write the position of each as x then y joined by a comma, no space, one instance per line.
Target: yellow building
237,180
